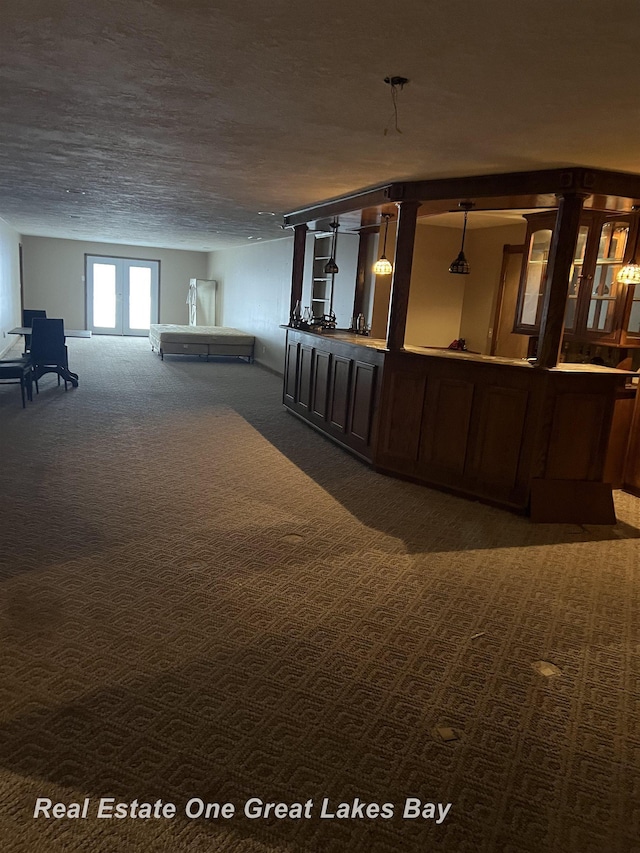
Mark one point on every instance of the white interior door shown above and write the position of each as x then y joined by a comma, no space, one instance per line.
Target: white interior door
122,295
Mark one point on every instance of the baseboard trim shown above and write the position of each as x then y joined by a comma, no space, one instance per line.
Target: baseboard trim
261,364
9,345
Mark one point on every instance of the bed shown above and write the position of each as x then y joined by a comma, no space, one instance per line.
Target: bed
170,339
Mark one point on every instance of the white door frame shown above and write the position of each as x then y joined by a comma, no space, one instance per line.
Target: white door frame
122,271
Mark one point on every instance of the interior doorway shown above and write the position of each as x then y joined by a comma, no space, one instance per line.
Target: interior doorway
122,295
505,342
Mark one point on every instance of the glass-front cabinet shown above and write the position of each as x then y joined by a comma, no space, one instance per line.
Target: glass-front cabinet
534,272
631,315
599,309
632,328
576,278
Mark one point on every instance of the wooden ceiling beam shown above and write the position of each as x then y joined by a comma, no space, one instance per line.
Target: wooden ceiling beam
514,190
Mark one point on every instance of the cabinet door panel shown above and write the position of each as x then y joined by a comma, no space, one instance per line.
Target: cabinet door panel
304,376
599,294
534,271
403,407
291,372
364,383
578,279
341,380
498,441
321,384
447,417
632,328
576,432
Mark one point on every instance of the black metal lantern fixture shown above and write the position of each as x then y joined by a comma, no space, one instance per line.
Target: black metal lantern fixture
331,267
461,265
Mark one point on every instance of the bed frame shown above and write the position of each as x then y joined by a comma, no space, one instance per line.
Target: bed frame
170,339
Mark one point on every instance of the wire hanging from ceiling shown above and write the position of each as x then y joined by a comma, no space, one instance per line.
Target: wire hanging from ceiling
397,85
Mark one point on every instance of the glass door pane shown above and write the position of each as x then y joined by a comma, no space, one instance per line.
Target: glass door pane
535,277
633,326
604,289
122,295
103,296
139,297
576,278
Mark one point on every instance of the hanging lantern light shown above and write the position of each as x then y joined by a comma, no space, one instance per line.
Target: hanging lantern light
460,266
331,267
383,266
630,273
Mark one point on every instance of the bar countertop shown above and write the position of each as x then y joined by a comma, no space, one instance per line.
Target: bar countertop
345,336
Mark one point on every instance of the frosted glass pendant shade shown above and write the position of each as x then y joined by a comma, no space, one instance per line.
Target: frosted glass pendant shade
630,273
382,267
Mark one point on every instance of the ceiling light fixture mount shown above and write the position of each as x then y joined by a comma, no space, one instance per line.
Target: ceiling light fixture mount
399,82
630,272
383,266
460,266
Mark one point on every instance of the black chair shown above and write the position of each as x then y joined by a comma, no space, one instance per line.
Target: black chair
28,316
48,352
18,371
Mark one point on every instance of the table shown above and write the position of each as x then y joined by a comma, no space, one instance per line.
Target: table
61,369
68,333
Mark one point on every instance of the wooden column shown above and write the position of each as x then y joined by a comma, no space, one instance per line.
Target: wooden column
399,301
561,256
299,245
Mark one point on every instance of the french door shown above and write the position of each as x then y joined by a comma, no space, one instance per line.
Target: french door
122,295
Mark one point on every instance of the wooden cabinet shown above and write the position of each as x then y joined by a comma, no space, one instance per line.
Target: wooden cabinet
334,385
501,431
599,309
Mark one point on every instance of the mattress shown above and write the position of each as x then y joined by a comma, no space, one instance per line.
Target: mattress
167,333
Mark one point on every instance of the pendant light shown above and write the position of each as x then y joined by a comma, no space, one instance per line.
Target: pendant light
461,266
382,266
630,273
331,267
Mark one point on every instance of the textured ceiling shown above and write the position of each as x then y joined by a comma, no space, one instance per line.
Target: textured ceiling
179,120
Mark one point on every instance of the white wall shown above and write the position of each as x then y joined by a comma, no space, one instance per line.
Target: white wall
9,285
254,287
54,276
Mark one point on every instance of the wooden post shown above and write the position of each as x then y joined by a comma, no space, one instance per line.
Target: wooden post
399,301
561,257
297,275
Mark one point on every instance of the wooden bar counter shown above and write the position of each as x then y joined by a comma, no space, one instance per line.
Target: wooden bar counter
545,438
500,430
